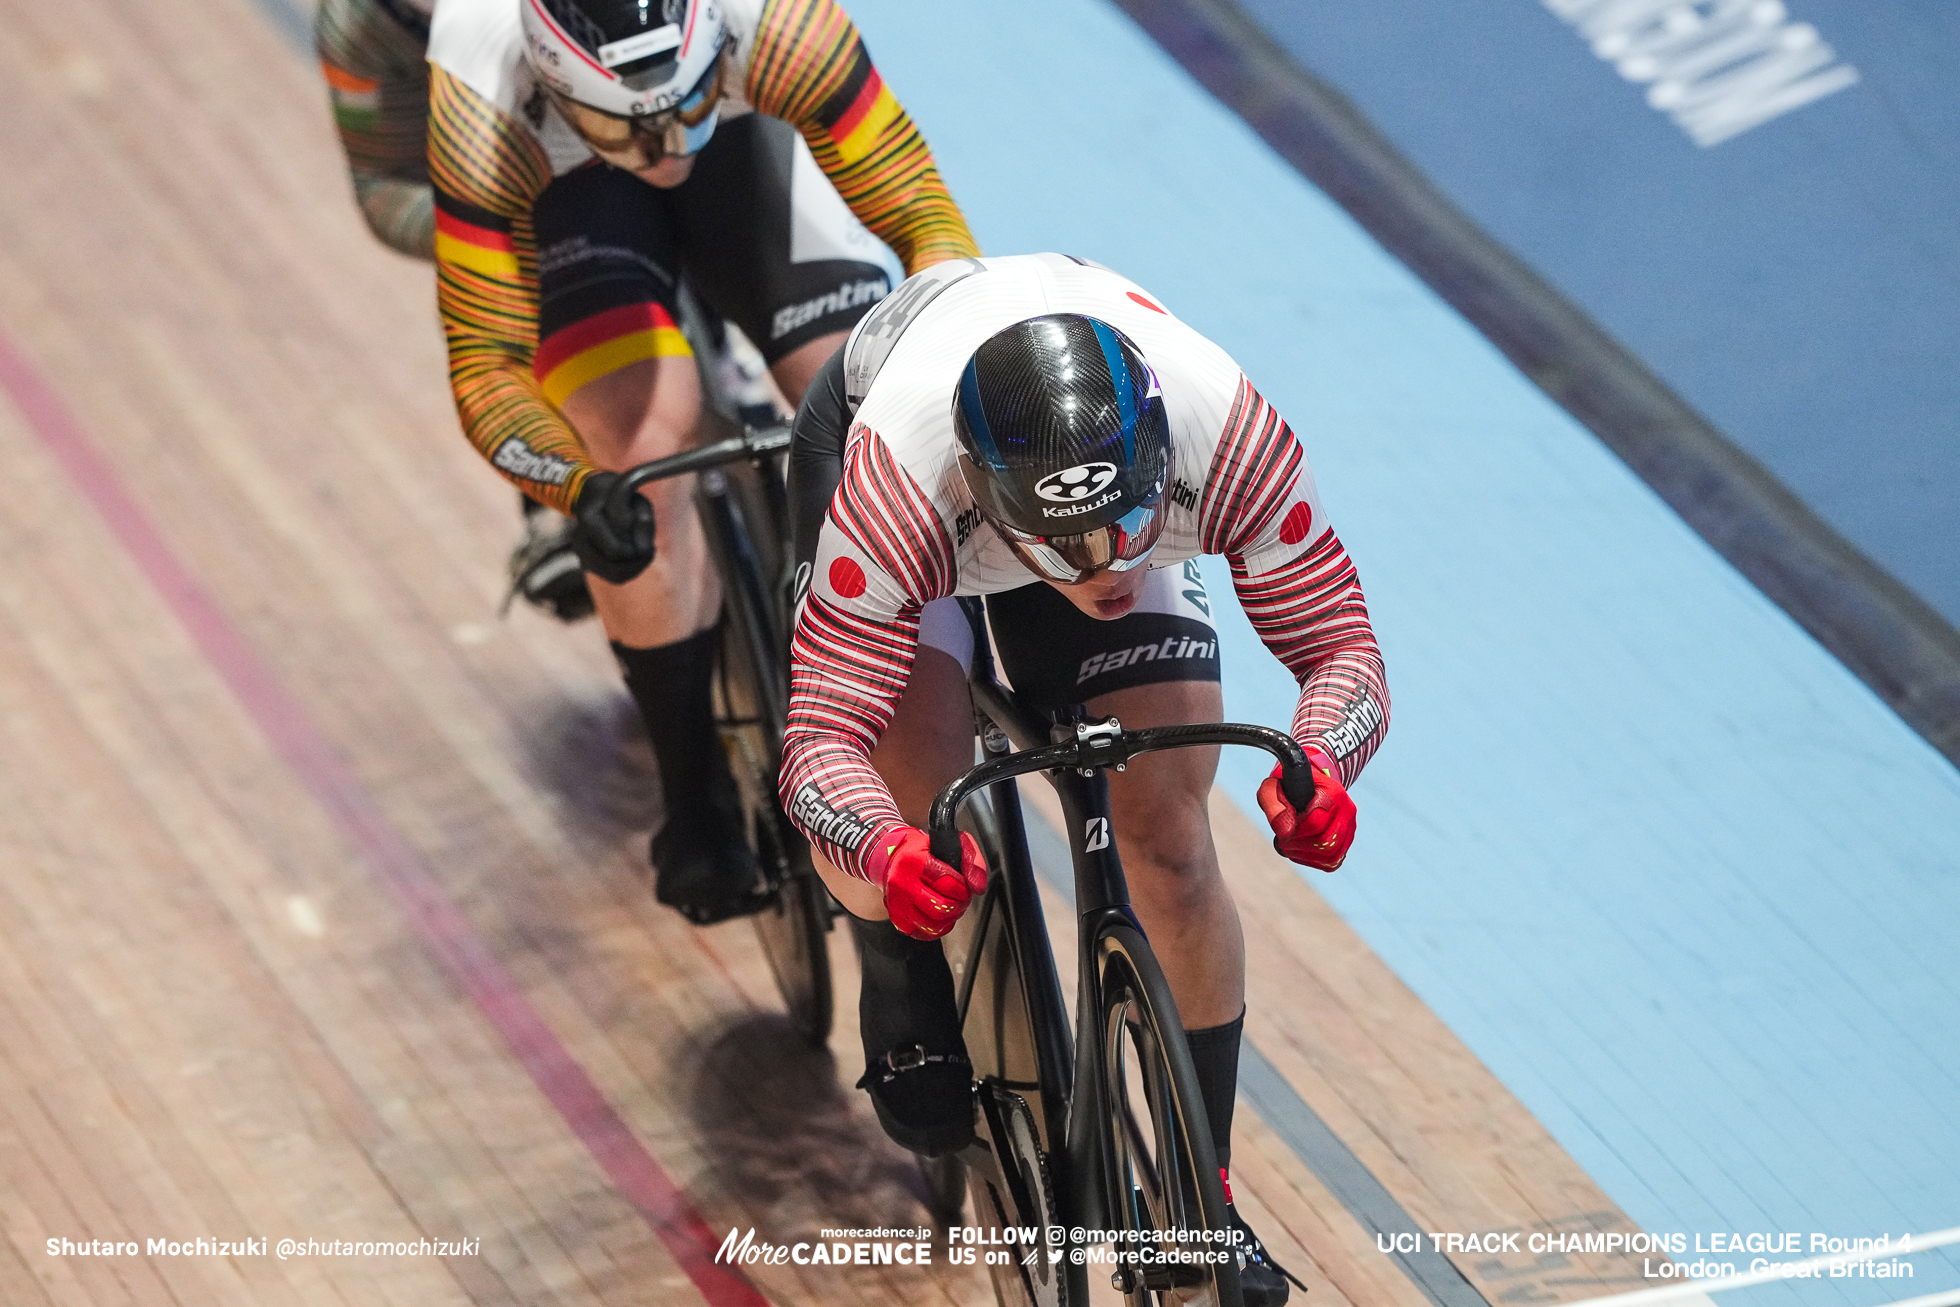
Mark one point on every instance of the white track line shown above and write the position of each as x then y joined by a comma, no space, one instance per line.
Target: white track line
1918,1243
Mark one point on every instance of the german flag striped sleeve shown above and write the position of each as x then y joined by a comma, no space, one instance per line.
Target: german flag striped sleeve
477,239
810,68
487,172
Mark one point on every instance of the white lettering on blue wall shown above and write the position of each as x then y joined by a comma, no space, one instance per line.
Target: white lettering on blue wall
1716,67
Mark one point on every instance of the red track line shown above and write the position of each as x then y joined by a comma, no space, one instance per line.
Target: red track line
444,929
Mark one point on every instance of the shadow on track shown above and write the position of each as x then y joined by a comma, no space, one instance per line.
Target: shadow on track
788,1141
591,754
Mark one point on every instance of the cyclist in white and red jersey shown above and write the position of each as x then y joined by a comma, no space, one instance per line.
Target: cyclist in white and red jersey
1042,432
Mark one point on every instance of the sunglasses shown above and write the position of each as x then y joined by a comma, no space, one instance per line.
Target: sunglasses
1072,559
640,141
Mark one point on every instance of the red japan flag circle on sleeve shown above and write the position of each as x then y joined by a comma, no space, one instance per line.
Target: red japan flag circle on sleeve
845,577
1298,521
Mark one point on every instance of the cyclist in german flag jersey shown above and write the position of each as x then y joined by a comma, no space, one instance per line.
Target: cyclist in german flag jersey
1040,432
585,155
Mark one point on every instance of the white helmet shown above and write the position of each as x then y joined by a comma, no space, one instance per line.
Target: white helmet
626,58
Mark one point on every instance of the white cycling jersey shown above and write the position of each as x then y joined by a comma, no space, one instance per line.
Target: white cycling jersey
903,529
903,362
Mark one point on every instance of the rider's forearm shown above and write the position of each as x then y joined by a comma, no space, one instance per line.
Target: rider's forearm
512,426
811,69
835,798
401,214
1344,709
378,84
486,176
846,678
1312,616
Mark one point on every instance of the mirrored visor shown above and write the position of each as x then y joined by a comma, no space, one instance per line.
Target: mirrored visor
635,141
1070,559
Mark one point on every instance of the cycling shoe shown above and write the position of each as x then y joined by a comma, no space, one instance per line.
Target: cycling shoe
1262,1281
916,1068
923,1100
705,876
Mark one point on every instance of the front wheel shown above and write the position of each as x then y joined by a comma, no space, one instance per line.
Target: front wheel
1165,1192
748,704
1011,1185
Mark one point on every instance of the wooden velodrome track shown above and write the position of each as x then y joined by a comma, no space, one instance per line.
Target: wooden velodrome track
322,912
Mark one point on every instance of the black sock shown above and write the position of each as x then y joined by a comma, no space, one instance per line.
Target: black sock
1215,1057
673,686
907,996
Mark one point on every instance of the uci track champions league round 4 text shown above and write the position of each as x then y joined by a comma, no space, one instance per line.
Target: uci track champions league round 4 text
1781,1254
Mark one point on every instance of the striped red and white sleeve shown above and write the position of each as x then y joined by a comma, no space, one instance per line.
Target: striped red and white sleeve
1295,581
883,555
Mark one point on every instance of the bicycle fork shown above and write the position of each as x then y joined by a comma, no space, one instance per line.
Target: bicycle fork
1101,900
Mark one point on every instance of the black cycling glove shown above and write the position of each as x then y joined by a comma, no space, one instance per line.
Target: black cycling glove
613,546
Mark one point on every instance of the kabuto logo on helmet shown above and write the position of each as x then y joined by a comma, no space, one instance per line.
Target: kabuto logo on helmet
1073,484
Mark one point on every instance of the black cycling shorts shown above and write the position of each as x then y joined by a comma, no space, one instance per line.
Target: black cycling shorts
611,249
1054,654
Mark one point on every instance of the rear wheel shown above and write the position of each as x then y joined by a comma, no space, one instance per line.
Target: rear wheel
792,930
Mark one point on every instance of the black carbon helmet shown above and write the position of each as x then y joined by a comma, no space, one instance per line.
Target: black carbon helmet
1061,426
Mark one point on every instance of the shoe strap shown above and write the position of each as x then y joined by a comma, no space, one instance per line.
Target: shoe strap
1255,1251
898,1061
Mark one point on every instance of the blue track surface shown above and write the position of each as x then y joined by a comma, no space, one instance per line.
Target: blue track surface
1677,877
1798,283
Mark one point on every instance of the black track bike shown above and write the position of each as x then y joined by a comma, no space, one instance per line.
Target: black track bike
1102,1128
744,509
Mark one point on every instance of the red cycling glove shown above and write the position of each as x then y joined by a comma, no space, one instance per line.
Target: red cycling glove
1318,837
923,895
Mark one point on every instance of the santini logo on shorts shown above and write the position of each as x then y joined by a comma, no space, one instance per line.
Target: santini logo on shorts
847,296
1172,647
